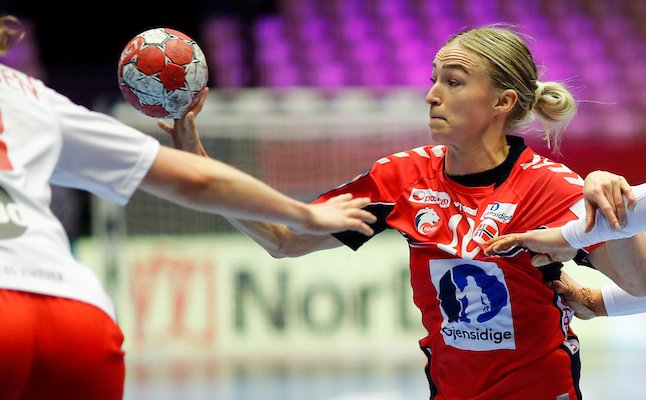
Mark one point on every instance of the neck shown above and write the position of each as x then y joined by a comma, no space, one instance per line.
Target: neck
472,158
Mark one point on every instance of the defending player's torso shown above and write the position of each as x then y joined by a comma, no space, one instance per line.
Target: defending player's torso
485,316
45,138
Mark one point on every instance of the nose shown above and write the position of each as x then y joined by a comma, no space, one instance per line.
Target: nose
431,97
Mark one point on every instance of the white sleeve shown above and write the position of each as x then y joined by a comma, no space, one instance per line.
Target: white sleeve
100,154
574,231
618,302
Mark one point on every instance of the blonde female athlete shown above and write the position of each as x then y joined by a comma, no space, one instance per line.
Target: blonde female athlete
58,336
494,330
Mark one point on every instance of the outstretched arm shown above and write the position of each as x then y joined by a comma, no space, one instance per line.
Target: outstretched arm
623,255
211,186
204,184
278,239
614,210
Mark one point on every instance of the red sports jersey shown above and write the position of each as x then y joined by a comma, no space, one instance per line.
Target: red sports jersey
495,331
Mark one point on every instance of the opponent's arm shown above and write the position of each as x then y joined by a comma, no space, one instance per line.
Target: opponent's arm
608,217
623,255
588,303
211,186
277,239
280,241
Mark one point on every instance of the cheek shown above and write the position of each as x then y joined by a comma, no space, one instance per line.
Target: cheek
474,110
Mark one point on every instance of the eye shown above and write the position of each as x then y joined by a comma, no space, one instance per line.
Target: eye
453,83
433,80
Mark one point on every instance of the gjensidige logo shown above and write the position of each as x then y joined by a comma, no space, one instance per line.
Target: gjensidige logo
474,300
502,212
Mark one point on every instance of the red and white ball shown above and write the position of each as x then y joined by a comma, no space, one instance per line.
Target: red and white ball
161,72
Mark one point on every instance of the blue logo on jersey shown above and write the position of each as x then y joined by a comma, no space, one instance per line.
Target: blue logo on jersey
486,295
475,304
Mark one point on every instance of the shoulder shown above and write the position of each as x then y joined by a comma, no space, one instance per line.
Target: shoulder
406,167
392,174
421,158
537,177
20,85
531,162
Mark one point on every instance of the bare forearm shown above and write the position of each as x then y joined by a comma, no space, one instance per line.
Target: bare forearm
624,262
211,186
279,241
269,236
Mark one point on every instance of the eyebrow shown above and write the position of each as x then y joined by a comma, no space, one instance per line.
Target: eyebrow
454,65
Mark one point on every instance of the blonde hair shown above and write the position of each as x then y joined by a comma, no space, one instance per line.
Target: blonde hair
10,32
511,66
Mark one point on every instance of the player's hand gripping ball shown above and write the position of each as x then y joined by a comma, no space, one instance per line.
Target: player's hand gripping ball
161,73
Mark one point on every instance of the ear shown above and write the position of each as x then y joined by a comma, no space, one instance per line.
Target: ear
506,101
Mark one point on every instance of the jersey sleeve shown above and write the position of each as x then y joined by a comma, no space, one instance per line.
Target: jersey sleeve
100,154
380,185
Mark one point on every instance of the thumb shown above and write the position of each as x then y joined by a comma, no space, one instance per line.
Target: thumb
559,287
590,215
164,126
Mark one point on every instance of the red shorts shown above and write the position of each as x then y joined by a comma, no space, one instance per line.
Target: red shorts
56,348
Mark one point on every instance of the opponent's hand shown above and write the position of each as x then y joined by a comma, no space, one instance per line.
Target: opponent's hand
548,243
183,132
587,303
341,213
606,191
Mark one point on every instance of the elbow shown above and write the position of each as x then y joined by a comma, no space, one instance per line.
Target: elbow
277,252
286,249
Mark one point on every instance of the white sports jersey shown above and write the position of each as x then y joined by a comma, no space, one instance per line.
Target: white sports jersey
45,138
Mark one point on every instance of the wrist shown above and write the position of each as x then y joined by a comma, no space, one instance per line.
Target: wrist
593,300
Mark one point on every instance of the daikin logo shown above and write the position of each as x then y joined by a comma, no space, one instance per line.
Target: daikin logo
430,196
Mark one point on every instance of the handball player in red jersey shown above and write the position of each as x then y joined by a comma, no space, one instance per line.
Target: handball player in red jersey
495,330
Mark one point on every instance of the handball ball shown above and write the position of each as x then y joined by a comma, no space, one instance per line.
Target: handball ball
161,72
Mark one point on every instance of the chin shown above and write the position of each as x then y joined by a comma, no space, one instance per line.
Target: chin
438,136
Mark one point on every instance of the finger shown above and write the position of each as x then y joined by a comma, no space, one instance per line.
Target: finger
502,243
590,215
618,202
362,227
559,287
628,194
365,216
200,103
188,123
193,128
340,198
172,132
165,126
359,202
608,210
